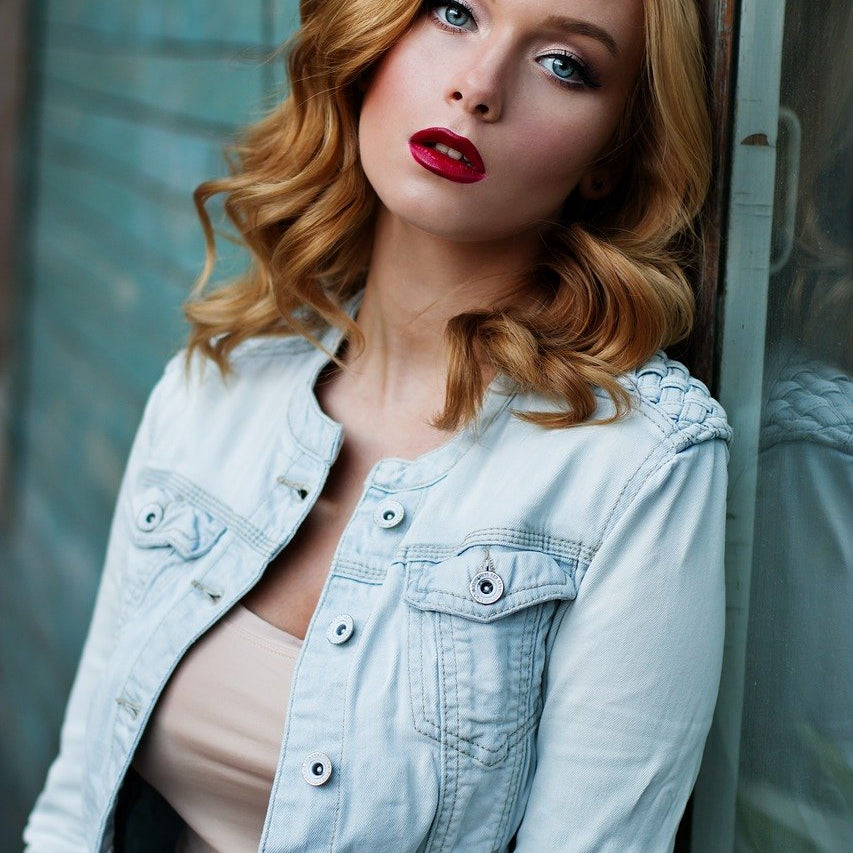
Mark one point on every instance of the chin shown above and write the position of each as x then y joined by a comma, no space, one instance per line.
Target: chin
476,233
453,223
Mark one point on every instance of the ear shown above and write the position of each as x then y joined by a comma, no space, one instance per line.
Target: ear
595,183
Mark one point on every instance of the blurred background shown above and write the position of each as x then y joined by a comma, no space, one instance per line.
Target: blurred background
110,115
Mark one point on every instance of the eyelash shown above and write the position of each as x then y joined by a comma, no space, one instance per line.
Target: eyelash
584,72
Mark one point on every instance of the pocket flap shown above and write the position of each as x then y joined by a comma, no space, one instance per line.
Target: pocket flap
486,583
162,520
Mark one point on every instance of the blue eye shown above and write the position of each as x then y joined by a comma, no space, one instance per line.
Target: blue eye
568,69
561,66
453,15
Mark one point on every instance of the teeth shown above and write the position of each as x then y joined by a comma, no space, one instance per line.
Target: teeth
450,152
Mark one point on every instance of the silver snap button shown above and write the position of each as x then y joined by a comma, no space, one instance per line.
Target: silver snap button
340,629
317,768
389,513
487,587
149,517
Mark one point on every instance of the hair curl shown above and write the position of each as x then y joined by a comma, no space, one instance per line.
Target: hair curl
613,288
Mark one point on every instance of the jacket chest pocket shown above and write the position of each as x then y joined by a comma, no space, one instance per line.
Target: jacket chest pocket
477,625
167,533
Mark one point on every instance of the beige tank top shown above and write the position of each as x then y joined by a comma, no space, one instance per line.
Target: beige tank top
212,745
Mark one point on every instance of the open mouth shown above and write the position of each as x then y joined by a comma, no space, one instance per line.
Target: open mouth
448,155
450,152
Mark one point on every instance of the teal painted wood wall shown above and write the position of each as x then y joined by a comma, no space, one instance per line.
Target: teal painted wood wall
135,100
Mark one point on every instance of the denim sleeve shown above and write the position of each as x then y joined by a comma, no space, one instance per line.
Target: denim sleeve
55,824
634,671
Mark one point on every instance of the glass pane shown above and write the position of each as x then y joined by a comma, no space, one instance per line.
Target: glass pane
795,790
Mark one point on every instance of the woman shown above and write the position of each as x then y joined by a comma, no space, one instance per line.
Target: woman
442,512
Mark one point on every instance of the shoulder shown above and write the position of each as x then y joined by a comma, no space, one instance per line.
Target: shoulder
250,357
670,412
591,472
250,361
193,390
223,435
675,404
673,442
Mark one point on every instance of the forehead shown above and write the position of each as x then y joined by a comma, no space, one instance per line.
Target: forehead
626,17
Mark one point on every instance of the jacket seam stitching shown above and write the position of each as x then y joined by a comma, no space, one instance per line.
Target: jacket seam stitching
525,654
256,538
656,456
569,549
455,673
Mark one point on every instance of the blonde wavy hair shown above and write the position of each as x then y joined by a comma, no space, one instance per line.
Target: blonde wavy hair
611,284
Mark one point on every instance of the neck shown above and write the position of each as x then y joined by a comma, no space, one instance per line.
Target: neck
417,282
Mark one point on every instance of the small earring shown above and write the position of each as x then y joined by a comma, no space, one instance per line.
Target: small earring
598,185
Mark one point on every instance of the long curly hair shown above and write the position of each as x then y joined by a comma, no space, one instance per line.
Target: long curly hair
611,283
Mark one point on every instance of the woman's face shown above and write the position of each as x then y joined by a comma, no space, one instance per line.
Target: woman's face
529,92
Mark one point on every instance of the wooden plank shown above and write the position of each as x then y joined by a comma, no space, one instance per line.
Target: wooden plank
137,347
70,346
191,20
98,271
86,498
162,162
35,671
162,166
59,565
66,372
80,455
698,351
129,360
202,95
79,504
12,73
149,235
154,234
747,264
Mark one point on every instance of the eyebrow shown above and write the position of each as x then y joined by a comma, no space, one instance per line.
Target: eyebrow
583,28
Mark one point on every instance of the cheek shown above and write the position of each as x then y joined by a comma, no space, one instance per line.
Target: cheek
547,170
401,79
553,157
379,98
385,120
374,113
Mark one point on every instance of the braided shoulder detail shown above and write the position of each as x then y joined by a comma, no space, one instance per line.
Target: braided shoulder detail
667,388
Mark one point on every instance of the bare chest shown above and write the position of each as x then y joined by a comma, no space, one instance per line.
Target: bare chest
287,594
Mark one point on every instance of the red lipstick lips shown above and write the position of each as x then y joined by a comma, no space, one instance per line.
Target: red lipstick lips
448,155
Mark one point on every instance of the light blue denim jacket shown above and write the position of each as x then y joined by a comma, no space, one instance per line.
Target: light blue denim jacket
518,642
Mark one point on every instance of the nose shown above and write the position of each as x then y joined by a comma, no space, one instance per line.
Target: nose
478,88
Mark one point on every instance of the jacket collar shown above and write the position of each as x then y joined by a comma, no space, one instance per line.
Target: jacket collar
321,437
